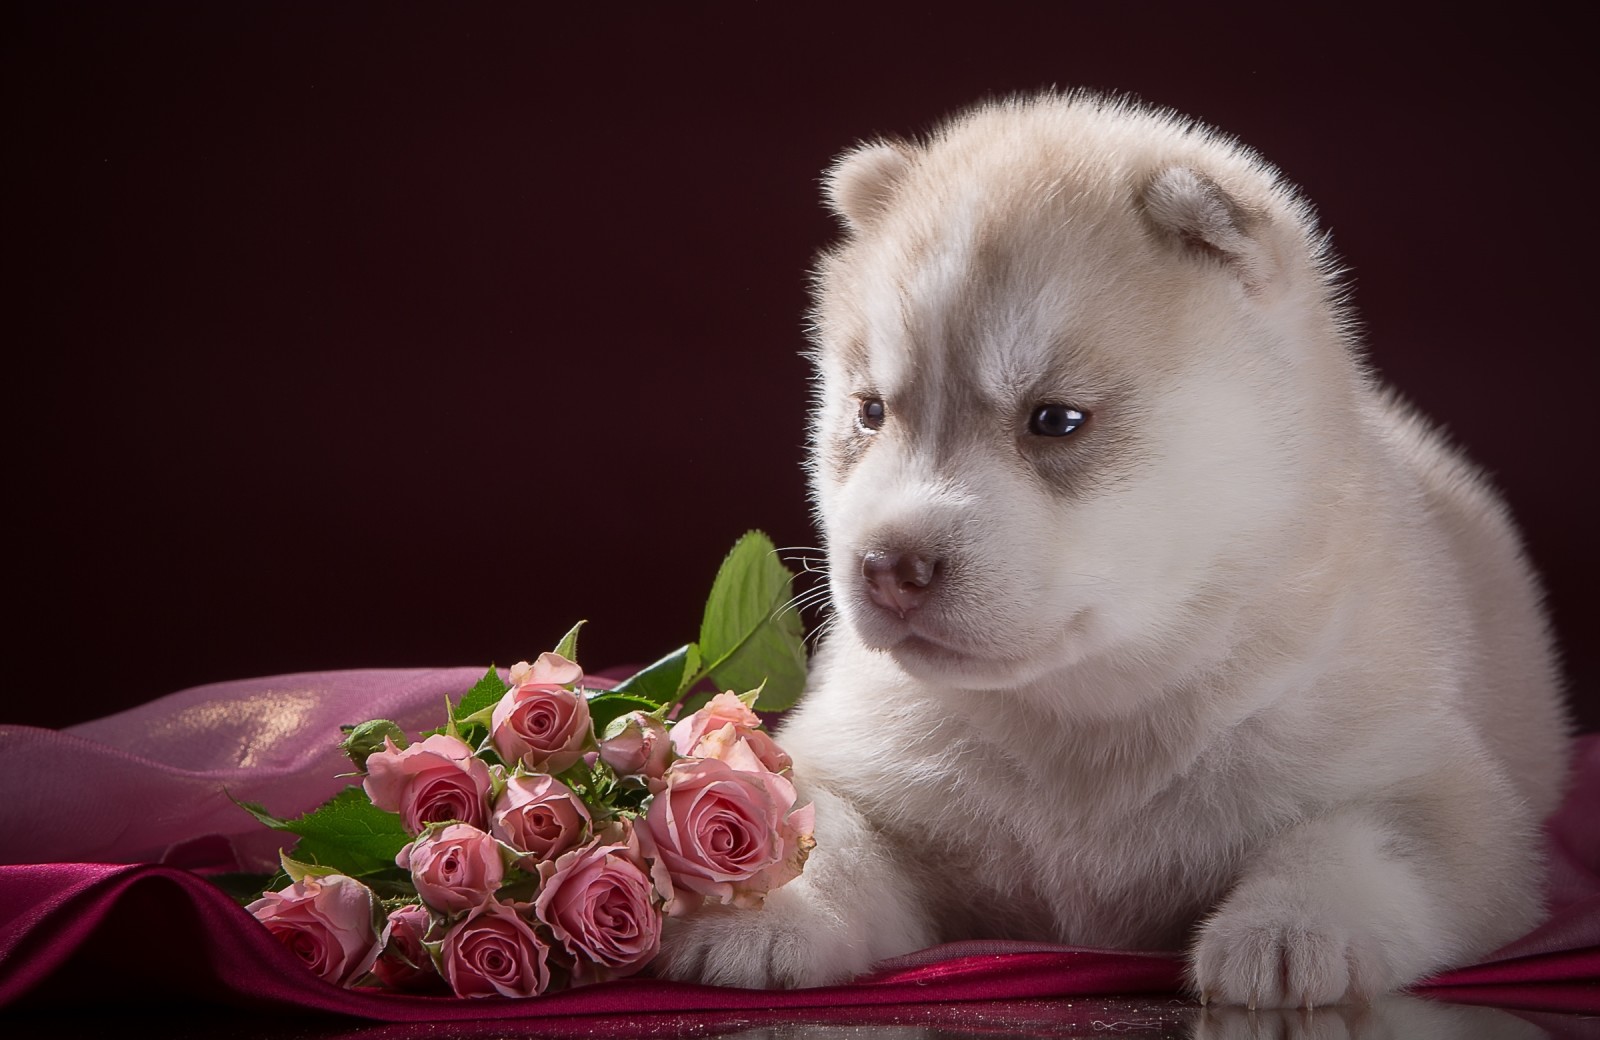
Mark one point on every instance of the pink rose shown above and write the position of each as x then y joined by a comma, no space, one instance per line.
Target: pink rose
600,903
328,922
540,722
493,950
718,712
722,723
455,867
719,744
548,670
435,781
404,963
724,829
637,744
539,815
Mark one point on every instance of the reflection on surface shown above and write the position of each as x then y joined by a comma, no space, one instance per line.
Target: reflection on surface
1393,1018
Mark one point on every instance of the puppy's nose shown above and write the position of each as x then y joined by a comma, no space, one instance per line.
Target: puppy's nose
898,582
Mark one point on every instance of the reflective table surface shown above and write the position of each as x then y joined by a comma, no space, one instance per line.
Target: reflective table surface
1394,1017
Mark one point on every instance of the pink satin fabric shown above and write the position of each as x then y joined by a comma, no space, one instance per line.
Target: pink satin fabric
107,828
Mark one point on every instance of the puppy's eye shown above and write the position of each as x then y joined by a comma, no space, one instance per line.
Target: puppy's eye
871,415
1056,420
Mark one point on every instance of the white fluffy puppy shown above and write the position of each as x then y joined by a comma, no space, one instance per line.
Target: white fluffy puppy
1160,623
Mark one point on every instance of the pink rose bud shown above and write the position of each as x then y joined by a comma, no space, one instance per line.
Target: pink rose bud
600,904
493,950
542,724
328,922
637,744
455,867
404,963
706,733
363,741
539,815
435,781
727,830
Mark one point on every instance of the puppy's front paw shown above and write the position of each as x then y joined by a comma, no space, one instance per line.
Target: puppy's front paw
785,944
1269,947
1330,912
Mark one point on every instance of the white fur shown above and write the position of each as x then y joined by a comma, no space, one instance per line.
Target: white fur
1251,664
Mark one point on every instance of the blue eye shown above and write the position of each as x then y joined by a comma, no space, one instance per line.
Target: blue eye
1056,420
871,414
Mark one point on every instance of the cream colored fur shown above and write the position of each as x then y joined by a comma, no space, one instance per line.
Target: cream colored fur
1251,664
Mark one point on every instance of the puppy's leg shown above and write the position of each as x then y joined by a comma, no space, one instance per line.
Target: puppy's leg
1363,901
850,908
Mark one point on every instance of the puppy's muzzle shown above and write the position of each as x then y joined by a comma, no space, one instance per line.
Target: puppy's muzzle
899,582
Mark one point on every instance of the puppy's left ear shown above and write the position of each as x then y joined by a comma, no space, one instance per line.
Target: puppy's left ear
1198,215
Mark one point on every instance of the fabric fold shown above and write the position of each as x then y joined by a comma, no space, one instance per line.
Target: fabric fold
107,830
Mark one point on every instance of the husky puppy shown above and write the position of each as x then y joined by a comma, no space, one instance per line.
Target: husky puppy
1160,624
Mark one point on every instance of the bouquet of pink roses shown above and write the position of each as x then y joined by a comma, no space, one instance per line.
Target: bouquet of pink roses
539,838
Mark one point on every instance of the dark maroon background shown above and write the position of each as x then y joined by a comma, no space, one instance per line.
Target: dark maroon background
364,335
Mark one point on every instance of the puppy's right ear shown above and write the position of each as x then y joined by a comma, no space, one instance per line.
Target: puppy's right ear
861,183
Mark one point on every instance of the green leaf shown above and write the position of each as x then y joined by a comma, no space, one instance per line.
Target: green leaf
243,887
480,719
664,681
298,871
347,833
609,705
750,633
693,660
695,703
568,647
484,694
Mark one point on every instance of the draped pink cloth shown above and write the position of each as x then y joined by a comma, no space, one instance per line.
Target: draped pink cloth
107,828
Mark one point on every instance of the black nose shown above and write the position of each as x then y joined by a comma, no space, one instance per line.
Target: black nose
898,582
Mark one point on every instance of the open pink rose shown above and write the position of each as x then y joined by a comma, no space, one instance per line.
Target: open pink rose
722,723
493,950
328,922
455,867
405,963
600,903
434,781
727,830
539,722
539,815
637,744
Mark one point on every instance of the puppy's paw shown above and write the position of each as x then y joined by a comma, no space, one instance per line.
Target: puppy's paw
786,944
1331,912
1266,949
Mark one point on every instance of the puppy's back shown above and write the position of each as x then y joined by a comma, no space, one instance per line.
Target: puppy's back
1510,675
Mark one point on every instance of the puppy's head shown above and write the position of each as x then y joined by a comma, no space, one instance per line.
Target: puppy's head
1073,359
